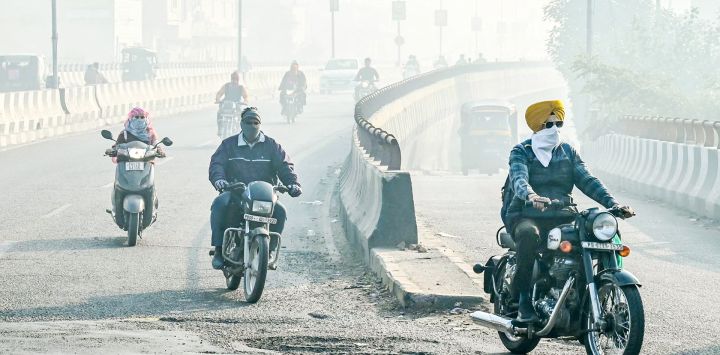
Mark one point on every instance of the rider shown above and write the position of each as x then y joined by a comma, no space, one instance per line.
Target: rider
138,128
542,169
294,79
413,63
246,157
231,91
366,73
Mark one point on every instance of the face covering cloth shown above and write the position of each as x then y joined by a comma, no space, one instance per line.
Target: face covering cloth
543,144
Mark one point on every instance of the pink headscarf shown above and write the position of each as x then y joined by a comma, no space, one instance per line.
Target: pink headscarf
137,111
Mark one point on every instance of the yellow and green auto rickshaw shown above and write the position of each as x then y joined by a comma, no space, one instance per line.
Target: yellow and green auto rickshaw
488,130
138,64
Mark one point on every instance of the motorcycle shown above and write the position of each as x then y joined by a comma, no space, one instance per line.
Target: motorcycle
580,288
250,249
290,105
134,203
365,88
229,118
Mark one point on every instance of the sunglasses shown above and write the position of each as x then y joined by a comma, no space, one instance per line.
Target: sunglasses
559,124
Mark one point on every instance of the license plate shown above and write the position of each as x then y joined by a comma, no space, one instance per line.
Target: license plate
134,165
253,218
602,246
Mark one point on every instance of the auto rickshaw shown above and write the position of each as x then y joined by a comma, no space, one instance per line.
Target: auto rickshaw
488,130
138,64
22,72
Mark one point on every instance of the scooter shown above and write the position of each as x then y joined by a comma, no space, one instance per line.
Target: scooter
133,199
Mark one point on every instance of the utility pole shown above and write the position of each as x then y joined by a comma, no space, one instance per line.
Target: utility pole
55,83
334,7
589,29
239,54
440,22
476,25
398,14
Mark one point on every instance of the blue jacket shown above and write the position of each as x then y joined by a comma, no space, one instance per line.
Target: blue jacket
236,161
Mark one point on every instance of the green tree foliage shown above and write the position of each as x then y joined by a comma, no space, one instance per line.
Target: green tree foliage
643,61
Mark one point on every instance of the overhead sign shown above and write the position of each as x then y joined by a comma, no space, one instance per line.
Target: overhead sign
398,11
441,18
334,5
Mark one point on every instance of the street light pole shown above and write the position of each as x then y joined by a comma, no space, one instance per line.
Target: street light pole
589,30
239,56
399,55
332,34
55,81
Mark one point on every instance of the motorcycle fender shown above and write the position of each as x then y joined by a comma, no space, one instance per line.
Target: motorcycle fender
619,277
260,231
134,203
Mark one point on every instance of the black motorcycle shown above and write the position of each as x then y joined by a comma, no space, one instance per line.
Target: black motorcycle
291,105
580,289
365,88
134,203
250,249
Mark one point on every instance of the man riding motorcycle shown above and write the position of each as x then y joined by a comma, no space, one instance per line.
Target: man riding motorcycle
246,157
542,169
294,79
412,67
231,91
366,73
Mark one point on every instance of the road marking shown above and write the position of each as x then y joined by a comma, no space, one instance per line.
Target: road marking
165,160
5,247
108,185
56,211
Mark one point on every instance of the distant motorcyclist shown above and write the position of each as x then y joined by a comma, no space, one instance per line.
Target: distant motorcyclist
246,157
93,76
366,73
412,67
462,60
294,79
440,63
543,168
231,91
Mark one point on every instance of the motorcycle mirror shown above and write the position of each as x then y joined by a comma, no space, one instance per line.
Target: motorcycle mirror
106,134
166,141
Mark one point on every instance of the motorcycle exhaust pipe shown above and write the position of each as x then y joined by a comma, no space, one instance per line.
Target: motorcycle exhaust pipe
493,321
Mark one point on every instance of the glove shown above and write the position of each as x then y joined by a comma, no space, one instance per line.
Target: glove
294,190
625,211
221,184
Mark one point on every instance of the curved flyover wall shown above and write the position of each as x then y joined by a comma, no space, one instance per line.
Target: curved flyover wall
375,194
673,160
27,116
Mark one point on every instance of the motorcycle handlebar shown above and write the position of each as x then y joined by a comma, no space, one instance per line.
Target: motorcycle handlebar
551,204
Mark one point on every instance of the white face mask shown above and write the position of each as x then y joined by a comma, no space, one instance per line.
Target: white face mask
543,143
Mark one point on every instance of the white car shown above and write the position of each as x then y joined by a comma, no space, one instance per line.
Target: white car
338,75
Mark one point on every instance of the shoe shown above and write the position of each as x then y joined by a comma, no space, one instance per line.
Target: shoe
526,312
218,261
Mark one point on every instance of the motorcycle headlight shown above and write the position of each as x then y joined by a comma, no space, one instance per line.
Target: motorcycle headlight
136,153
365,84
262,207
288,92
604,226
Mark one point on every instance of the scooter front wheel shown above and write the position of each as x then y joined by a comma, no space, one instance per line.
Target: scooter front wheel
133,228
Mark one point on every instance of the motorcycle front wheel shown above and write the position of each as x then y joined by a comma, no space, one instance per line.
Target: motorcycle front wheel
133,228
622,310
256,273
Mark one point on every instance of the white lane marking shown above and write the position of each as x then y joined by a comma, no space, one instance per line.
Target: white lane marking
56,211
4,247
163,161
108,185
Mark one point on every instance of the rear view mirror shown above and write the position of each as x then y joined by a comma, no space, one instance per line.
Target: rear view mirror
166,141
106,134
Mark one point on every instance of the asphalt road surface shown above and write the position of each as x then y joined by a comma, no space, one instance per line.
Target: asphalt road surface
70,284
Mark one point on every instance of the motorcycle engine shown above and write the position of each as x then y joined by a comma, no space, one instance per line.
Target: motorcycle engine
561,269
509,273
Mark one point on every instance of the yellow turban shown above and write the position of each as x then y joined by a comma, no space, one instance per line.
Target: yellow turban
539,112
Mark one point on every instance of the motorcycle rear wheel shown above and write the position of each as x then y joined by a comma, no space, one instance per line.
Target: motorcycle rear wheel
133,228
622,308
514,344
256,273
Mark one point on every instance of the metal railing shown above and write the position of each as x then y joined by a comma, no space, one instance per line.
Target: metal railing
672,129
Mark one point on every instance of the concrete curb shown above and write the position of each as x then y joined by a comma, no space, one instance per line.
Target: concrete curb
409,294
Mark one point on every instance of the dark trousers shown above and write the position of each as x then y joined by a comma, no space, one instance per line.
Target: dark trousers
527,235
224,214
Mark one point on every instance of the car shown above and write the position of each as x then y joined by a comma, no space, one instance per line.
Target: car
338,75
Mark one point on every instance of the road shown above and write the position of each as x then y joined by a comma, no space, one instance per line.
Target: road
69,283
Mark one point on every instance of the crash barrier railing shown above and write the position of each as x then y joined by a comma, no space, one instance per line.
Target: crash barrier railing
685,175
32,115
672,129
376,197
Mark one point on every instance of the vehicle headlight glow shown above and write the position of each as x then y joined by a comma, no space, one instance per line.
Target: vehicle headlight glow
365,84
136,153
605,226
288,92
262,207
